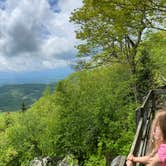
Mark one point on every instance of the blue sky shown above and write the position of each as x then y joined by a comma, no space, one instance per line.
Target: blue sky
36,34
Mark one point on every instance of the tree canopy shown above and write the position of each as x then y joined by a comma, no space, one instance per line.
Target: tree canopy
155,44
114,29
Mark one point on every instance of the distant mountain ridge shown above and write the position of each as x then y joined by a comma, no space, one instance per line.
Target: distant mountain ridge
12,96
34,77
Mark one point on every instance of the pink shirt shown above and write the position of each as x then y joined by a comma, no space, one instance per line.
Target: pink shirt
162,155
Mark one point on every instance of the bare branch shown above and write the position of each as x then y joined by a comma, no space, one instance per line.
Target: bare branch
130,41
158,28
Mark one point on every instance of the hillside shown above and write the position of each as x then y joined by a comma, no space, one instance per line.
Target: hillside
12,96
80,118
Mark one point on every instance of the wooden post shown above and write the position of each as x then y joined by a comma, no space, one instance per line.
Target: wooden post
153,104
137,116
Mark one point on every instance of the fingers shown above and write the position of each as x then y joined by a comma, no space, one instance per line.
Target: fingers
129,163
130,157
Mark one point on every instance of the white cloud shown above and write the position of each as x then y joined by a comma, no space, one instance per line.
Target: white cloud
33,36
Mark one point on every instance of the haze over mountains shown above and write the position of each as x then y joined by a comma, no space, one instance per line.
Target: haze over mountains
34,77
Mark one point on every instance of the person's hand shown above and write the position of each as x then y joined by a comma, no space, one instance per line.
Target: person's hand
129,163
130,157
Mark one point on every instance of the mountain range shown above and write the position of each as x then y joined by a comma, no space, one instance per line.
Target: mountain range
27,87
34,77
12,97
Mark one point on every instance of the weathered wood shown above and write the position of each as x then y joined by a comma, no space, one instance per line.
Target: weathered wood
144,134
138,115
159,91
148,97
134,147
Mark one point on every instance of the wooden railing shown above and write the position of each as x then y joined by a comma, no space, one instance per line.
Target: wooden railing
144,117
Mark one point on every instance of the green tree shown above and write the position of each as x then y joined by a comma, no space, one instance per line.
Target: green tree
88,116
93,106
155,44
28,135
23,107
113,30
145,73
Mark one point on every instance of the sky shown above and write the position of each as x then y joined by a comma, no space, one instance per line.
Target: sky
36,35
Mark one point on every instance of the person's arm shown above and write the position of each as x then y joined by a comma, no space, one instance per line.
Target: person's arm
144,159
149,159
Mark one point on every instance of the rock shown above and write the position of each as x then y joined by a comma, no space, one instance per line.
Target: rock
46,161
118,160
69,160
55,161
64,162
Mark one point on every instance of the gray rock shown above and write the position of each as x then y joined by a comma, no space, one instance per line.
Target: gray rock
56,161
118,160
64,162
46,161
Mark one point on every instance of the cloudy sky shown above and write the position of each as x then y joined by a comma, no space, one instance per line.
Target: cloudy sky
36,34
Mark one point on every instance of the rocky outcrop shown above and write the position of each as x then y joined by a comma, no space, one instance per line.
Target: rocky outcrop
48,161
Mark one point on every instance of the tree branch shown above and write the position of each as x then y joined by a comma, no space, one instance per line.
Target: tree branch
158,28
131,42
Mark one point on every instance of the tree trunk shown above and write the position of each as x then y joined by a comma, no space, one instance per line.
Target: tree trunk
108,159
133,72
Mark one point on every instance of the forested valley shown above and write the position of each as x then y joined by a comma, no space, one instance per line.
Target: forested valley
90,115
13,96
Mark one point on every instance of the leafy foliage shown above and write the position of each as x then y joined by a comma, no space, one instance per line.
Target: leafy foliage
114,29
145,73
155,44
80,118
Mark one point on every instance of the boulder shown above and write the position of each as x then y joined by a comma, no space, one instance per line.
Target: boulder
38,161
